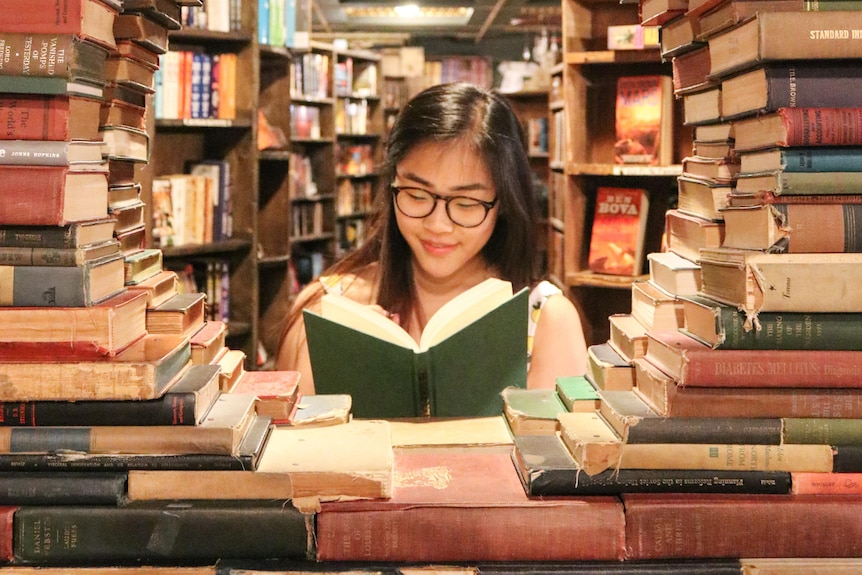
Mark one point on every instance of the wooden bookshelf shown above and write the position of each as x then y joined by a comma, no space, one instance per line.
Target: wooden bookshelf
589,75
257,250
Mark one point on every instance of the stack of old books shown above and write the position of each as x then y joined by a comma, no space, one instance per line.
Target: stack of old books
108,375
738,354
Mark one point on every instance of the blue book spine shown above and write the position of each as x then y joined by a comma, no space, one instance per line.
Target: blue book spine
822,159
263,21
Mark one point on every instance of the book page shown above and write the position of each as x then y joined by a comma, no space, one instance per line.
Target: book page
464,309
360,317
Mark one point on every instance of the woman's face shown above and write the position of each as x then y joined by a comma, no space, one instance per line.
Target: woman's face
442,249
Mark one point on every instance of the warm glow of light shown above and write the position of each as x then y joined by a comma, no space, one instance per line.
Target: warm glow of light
417,15
407,11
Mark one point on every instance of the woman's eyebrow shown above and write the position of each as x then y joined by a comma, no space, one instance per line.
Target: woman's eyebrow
462,188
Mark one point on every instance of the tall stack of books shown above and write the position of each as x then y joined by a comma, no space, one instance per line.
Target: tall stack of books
107,369
740,343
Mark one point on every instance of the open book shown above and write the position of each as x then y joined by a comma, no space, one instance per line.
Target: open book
470,350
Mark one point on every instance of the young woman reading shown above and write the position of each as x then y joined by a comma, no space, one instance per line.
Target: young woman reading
460,208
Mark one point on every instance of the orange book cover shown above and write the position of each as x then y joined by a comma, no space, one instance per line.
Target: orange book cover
619,225
644,120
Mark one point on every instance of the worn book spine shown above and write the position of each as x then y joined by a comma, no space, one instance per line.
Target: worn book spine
55,237
61,488
49,257
742,526
804,483
784,330
775,368
37,117
739,430
787,457
668,399
34,152
547,470
582,529
46,195
795,35
185,403
50,55
822,159
246,458
161,531
825,5
801,85
69,286
810,127
829,430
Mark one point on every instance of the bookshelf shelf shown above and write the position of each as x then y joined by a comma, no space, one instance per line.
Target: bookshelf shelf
215,248
586,127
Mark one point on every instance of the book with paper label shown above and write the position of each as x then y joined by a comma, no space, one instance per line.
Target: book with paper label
359,351
804,282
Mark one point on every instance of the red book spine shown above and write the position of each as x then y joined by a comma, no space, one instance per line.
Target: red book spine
576,529
34,117
32,196
772,368
7,515
826,483
666,526
822,126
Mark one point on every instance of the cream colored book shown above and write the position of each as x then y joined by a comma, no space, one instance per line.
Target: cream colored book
351,460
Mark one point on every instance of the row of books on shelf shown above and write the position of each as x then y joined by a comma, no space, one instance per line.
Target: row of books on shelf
196,85
213,15
353,197
310,76
284,23
354,159
477,70
352,117
210,277
349,81
193,208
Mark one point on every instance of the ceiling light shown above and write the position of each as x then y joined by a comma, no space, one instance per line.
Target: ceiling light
409,14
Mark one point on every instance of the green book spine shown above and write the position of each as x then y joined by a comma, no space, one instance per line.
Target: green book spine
784,330
833,431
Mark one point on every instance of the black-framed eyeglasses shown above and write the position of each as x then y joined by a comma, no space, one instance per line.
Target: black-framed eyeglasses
462,210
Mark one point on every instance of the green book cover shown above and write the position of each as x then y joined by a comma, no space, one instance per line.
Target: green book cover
462,375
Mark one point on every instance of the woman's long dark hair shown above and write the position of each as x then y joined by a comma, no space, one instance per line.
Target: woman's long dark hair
443,113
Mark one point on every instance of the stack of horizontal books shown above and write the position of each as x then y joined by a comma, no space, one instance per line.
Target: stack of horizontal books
745,402
121,405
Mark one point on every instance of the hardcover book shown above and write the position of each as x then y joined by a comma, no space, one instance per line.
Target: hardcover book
41,117
69,236
644,120
790,127
607,369
357,351
183,314
80,155
52,55
671,400
61,286
220,433
627,336
185,402
60,257
51,195
108,326
55,371
803,282
741,525
802,159
792,84
795,227
618,230
724,326
686,235
692,363
655,308
340,461
794,35
91,19
200,531
783,183
532,411
547,469
674,274
445,496
277,392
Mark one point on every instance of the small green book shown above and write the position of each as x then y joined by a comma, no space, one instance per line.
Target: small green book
472,348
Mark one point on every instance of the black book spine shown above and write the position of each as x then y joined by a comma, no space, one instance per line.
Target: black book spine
757,431
627,567
170,409
25,488
160,531
565,482
847,459
78,462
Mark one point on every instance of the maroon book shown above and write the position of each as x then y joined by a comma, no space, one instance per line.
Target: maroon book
462,504
676,525
39,117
